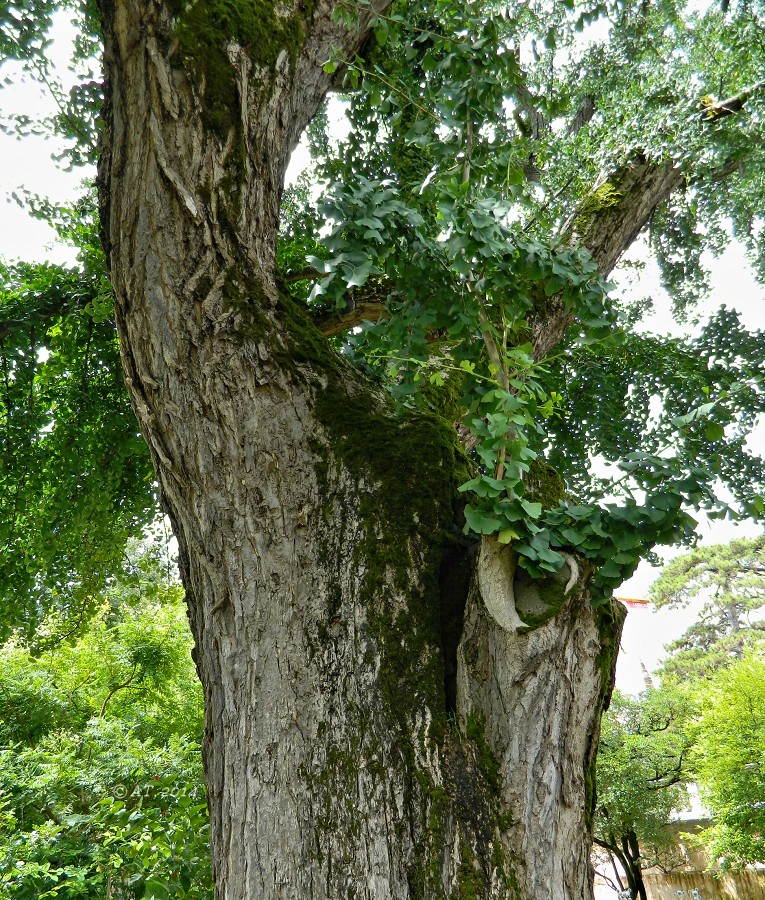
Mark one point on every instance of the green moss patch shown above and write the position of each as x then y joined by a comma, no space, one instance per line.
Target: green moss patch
204,28
603,197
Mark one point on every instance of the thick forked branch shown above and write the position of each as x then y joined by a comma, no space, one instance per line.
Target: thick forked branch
327,36
617,209
277,92
236,403
190,176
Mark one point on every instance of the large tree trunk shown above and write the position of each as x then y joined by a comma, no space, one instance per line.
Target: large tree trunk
376,723
540,692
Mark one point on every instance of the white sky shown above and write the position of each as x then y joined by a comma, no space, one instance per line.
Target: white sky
646,630
27,164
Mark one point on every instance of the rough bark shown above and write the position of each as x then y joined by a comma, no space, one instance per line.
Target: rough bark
540,693
607,222
374,727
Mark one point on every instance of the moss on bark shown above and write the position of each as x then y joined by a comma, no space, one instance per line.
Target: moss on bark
605,196
610,621
205,28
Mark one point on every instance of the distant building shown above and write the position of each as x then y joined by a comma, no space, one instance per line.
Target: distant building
634,602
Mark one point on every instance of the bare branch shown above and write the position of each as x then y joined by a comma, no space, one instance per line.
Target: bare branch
732,105
362,312
527,103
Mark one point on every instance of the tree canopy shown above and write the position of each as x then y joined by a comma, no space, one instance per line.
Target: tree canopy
74,471
729,578
486,146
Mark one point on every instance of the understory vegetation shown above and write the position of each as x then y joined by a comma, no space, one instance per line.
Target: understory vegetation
101,790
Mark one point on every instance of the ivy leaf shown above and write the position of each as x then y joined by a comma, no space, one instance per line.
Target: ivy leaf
381,32
479,522
714,431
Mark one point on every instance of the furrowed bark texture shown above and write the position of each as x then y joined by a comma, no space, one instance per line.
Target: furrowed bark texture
540,693
376,725
606,223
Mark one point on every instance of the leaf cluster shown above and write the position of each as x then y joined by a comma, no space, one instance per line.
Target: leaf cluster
75,474
26,36
101,790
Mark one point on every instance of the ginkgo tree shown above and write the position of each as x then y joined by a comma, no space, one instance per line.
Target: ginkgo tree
374,416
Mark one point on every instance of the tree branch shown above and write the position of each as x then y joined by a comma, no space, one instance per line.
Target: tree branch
327,37
732,105
118,687
616,210
361,312
301,275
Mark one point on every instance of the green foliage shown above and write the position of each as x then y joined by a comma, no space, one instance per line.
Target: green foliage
690,402
730,578
504,402
75,474
642,771
101,789
729,761
467,259
471,152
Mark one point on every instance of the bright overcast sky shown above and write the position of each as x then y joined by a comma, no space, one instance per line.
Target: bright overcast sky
27,164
